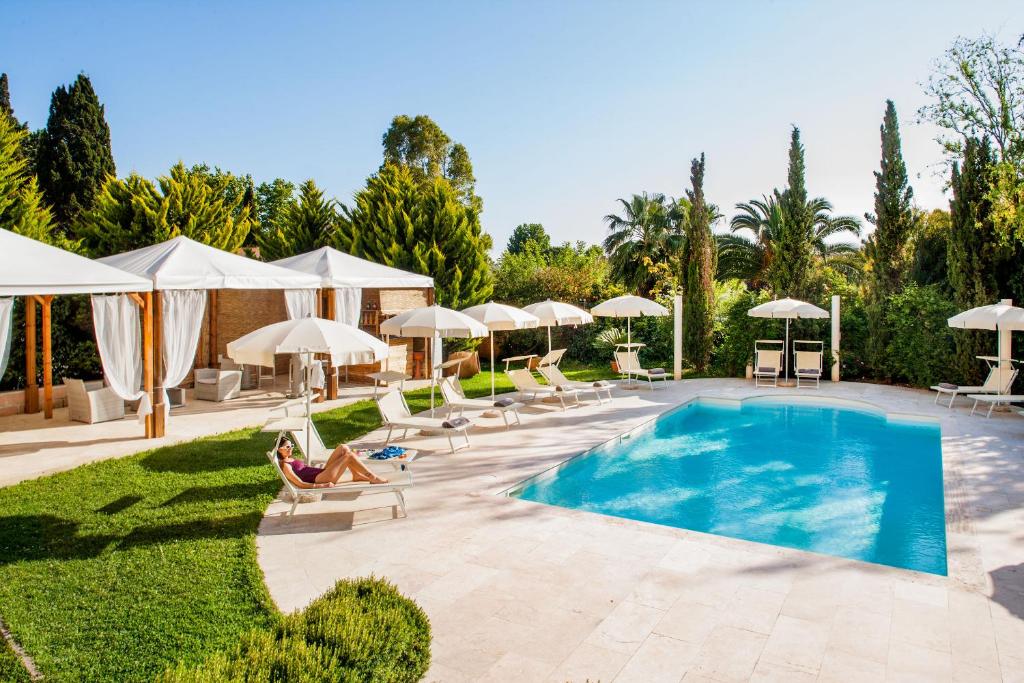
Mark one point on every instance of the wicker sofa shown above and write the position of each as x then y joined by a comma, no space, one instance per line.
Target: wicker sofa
92,402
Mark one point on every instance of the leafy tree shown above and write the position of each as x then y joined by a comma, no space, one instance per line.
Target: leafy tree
309,223
643,230
929,246
527,233
74,158
974,249
272,199
419,144
887,251
29,143
133,213
698,280
421,227
21,204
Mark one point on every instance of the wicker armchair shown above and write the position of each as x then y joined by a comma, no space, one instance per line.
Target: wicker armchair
213,384
92,402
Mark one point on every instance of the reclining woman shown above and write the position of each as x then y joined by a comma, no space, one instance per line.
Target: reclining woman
308,477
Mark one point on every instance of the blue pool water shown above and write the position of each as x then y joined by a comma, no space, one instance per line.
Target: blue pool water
815,477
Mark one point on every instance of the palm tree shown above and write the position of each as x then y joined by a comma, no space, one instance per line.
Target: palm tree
750,257
642,231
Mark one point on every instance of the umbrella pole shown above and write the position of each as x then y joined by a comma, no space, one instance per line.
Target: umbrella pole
433,377
549,338
309,406
492,366
629,346
785,352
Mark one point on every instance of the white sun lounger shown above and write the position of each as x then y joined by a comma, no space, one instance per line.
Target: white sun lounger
629,365
396,415
808,368
456,400
527,385
994,400
553,374
553,357
767,367
991,386
396,485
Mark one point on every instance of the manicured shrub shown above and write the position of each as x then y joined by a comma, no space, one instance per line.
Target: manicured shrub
921,348
362,630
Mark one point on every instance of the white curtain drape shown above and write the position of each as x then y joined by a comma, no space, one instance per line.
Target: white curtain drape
118,337
301,303
6,315
181,311
348,304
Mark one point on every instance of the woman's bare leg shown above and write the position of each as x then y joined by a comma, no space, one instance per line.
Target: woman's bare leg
342,460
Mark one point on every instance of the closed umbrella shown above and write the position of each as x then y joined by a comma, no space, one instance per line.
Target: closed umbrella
790,309
628,307
558,313
433,321
1001,317
499,317
345,344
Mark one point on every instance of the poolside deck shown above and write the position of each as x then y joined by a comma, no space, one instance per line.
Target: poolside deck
518,591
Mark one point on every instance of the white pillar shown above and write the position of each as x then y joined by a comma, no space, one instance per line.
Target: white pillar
677,337
1005,351
836,335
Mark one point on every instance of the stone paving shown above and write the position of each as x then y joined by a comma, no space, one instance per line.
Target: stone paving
518,591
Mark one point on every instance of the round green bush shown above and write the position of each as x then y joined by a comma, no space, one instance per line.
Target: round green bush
362,630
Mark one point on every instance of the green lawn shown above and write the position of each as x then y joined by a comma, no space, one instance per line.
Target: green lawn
11,670
112,571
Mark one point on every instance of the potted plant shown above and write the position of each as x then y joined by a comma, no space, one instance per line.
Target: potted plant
608,340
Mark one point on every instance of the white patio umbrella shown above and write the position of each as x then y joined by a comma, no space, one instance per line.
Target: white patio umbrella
558,313
790,309
345,344
498,317
1001,317
629,306
433,321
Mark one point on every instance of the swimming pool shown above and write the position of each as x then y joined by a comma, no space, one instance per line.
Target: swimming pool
818,477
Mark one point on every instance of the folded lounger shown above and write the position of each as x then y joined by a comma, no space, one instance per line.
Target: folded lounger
808,368
396,415
554,376
629,365
526,384
457,401
400,481
991,386
767,367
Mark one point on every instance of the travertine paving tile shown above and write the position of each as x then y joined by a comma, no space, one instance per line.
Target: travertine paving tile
842,667
797,643
589,662
626,628
659,660
730,654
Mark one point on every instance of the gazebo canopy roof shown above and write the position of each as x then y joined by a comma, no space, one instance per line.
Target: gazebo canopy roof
34,268
181,263
338,269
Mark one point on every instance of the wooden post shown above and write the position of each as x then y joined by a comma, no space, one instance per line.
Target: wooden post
145,303
331,372
31,385
159,410
212,361
47,359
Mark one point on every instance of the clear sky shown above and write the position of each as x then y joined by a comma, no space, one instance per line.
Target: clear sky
564,106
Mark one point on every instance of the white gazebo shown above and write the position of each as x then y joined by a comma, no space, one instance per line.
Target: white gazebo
38,272
180,269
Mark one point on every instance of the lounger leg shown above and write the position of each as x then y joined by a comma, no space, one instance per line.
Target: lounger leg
387,439
401,503
990,407
974,407
451,446
505,418
295,504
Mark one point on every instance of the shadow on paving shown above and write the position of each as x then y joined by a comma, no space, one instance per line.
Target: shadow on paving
1008,588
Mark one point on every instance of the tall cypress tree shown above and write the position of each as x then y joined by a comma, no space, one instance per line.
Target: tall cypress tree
793,258
74,158
887,249
698,298
5,97
974,250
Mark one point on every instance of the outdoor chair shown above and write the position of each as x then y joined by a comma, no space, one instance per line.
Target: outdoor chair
553,374
527,385
456,400
218,384
809,366
400,481
767,367
991,385
553,357
92,402
629,365
396,415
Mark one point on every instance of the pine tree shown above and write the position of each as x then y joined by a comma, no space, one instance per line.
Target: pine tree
422,227
305,225
974,250
887,250
74,158
21,204
698,280
5,97
792,266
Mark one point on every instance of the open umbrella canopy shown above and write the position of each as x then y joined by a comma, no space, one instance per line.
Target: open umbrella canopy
346,345
991,317
628,306
790,309
499,317
557,313
433,321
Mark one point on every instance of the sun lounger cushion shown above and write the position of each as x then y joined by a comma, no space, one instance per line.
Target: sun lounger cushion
455,422
807,371
656,371
504,403
766,370
947,385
